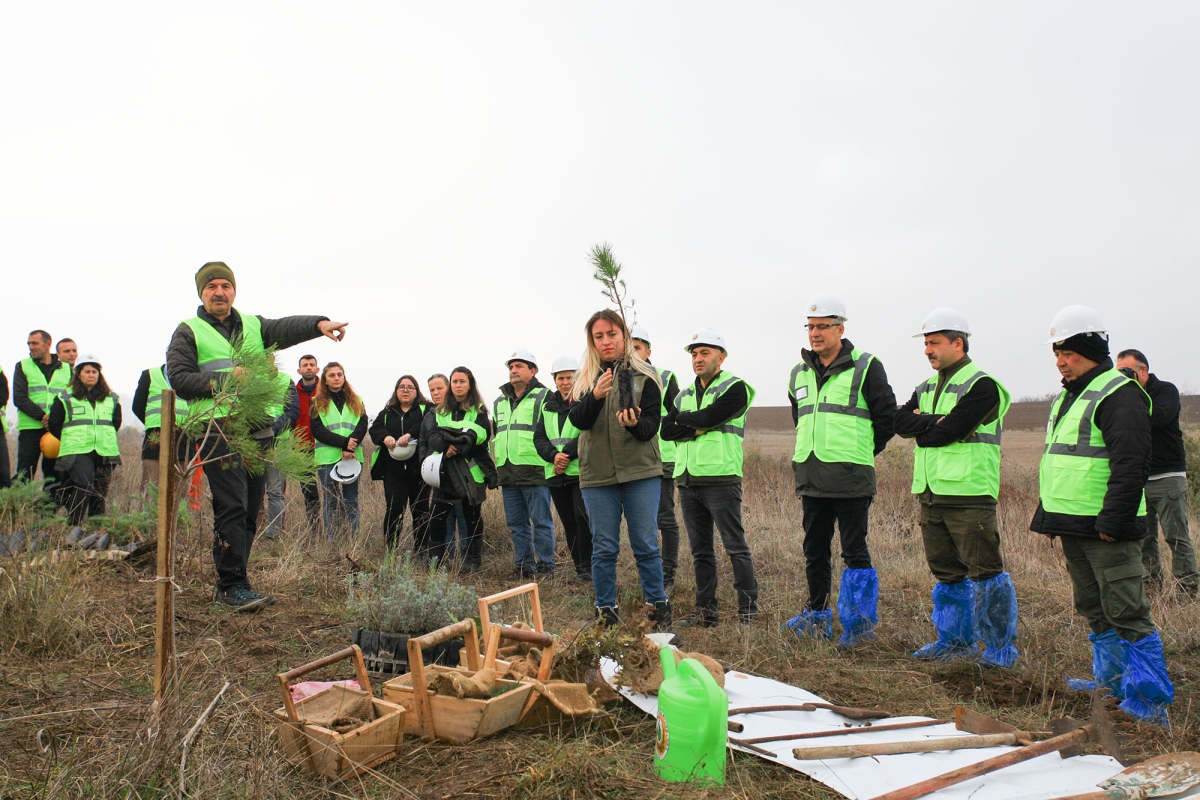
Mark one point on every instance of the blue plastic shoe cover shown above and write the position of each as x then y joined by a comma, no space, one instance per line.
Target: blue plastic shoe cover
1109,654
858,601
996,620
1146,687
810,623
954,618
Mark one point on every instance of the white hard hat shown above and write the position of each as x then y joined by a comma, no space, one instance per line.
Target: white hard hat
431,470
403,452
640,332
564,363
88,358
346,471
706,336
944,319
827,305
522,355
1071,320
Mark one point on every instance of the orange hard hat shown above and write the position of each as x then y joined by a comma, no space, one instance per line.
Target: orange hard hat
50,445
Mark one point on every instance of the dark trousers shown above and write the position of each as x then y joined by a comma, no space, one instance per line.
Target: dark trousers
668,527
706,506
568,502
1106,579
399,492
236,498
961,542
5,464
84,487
29,450
820,514
312,502
433,541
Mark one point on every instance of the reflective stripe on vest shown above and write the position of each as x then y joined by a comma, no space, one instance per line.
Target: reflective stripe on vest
665,449
560,438
341,423
445,419
88,428
968,468
42,392
1073,476
158,384
214,353
833,422
514,429
718,452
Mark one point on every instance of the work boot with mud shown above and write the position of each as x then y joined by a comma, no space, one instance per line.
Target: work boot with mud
243,599
608,616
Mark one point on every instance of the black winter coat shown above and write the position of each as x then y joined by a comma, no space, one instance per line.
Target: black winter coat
395,423
433,440
560,408
1167,453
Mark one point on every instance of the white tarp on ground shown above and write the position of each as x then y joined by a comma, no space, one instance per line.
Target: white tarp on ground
862,778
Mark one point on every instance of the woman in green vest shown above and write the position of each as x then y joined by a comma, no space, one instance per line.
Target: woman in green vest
86,423
339,424
399,425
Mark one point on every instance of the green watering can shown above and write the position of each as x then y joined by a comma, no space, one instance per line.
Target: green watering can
693,723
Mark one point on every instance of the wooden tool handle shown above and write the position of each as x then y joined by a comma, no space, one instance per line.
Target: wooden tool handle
1111,794
485,618
845,711
416,666
522,635
924,723
990,765
893,748
445,634
352,652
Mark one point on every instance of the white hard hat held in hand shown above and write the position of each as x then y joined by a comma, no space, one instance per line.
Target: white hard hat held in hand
431,470
827,305
564,363
1073,320
522,354
944,319
706,336
346,471
403,452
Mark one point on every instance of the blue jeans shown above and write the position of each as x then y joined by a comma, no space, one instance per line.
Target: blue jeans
639,502
527,507
339,497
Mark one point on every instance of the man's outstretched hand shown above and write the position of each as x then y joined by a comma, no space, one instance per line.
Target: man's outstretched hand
334,330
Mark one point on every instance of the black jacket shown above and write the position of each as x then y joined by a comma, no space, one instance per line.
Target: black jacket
20,387
560,408
1167,453
3,390
433,440
395,423
682,426
521,474
1124,419
183,369
979,406
815,478
141,396
584,413
322,434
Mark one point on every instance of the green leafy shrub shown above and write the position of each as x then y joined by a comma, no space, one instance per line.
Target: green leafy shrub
401,597
25,506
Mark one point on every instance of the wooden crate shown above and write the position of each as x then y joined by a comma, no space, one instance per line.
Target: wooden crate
322,751
485,614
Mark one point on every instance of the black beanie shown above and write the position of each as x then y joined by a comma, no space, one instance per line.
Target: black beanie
1092,346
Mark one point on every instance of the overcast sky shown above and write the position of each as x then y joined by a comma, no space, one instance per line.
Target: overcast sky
435,173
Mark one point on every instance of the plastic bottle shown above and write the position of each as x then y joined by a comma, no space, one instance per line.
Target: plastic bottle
693,722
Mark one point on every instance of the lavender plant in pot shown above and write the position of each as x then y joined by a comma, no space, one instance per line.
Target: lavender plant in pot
399,600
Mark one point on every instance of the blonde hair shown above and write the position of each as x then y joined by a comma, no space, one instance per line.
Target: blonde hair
590,363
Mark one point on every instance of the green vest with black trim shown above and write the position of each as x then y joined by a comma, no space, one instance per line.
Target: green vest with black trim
560,438
340,422
445,419
514,429
665,449
1073,476
717,452
88,428
375,453
833,422
214,353
968,468
159,384
42,392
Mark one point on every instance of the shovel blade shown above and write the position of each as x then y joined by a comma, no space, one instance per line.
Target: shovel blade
1159,776
973,722
1067,725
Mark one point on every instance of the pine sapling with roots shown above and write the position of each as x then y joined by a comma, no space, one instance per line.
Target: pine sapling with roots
607,271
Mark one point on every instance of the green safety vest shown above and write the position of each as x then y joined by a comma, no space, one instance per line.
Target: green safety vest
87,428
42,392
665,449
159,384
514,429
214,353
445,419
834,423
1073,476
342,423
375,453
970,468
275,410
719,451
560,439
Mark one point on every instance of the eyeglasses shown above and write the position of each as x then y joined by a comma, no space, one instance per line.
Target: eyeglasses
404,388
821,326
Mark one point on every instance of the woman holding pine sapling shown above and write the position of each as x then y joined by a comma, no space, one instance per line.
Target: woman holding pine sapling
620,470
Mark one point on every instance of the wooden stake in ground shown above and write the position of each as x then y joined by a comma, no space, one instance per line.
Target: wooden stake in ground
164,619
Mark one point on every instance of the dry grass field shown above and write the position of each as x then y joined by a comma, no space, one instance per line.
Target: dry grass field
79,636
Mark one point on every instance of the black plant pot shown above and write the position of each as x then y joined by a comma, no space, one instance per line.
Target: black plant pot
624,380
386,654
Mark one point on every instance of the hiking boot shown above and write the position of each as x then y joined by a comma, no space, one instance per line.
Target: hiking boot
523,572
544,570
747,618
607,615
669,585
698,619
243,599
660,615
